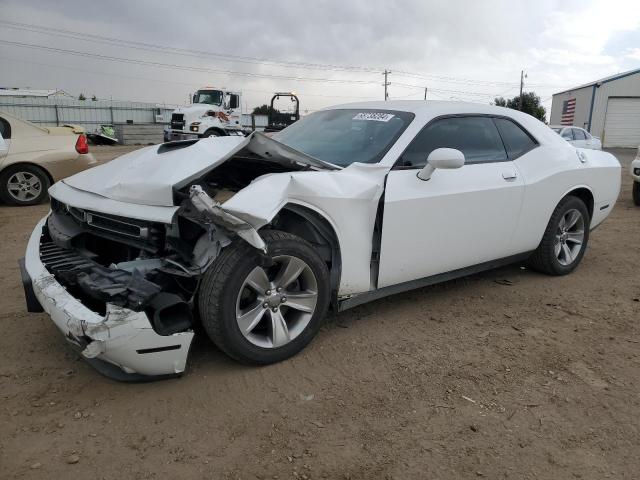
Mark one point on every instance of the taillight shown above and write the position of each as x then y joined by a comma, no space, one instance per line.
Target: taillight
82,146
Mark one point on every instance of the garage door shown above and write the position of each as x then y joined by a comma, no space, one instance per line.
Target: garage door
622,123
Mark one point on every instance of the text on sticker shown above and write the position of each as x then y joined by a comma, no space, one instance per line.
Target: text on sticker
375,116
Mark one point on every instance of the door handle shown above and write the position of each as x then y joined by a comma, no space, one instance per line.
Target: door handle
510,175
582,157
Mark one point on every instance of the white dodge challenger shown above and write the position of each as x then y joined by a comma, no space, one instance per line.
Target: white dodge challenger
256,237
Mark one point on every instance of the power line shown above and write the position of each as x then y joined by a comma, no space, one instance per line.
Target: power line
157,80
468,81
230,72
181,51
164,49
184,67
443,90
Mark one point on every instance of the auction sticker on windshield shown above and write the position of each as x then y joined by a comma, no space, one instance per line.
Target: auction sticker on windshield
375,116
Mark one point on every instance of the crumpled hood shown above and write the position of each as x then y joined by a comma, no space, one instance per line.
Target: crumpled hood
148,176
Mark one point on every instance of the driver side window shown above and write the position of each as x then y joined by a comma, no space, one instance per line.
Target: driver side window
476,137
234,101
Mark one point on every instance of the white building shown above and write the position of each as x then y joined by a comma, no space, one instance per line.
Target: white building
31,93
609,108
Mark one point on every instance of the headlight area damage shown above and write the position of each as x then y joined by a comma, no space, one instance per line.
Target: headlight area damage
124,290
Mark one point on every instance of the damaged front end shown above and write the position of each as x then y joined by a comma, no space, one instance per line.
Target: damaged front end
116,296
123,290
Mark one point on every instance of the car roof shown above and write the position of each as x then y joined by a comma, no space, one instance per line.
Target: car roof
435,108
418,106
426,110
565,126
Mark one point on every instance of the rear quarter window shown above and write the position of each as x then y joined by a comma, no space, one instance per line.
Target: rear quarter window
517,142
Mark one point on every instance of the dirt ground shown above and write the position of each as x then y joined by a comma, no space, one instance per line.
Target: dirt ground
506,374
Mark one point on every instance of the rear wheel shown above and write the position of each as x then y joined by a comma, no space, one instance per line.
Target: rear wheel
565,239
23,185
261,309
636,193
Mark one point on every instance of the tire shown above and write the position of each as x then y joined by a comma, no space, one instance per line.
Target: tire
229,297
559,252
24,185
636,194
211,133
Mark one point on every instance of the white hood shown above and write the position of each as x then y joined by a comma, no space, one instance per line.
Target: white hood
148,176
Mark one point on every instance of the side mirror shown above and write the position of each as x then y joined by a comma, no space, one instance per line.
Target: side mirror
441,158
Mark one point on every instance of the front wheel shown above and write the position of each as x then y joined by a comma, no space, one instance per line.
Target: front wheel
565,239
263,309
636,193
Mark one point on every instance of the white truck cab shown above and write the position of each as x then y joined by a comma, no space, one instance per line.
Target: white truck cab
214,113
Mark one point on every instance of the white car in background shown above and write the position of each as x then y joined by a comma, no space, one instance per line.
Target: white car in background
635,174
578,137
256,237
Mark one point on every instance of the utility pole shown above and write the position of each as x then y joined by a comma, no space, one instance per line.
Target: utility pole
425,93
522,77
386,84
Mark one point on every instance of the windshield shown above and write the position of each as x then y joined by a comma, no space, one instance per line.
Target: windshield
343,137
210,97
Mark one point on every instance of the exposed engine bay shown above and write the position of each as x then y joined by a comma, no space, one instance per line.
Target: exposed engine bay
146,266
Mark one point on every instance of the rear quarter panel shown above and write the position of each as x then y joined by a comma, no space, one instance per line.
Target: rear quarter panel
552,171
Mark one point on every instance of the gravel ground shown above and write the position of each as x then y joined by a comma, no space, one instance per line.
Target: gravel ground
506,374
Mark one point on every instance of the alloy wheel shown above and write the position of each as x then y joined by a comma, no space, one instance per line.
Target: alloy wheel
569,237
275,304
24,186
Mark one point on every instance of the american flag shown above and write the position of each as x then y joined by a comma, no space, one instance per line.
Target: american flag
568,111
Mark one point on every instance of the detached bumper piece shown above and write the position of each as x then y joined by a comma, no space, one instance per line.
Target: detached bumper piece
120,322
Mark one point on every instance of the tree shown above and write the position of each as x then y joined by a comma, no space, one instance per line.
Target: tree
530,104
82,97
264,110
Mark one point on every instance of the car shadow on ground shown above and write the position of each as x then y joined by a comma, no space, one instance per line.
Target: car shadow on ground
205,356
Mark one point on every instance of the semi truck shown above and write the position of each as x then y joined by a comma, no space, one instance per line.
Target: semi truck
214,112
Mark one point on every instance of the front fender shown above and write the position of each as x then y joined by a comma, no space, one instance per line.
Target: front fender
347,199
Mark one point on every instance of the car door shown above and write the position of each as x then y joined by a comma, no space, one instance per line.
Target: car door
567,134
233,109
458,218
579,138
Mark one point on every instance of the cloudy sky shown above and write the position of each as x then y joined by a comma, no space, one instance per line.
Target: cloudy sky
328,51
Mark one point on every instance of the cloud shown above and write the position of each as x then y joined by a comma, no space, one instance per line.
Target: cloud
461,49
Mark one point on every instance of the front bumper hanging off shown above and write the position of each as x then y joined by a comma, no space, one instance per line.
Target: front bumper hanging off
121,344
